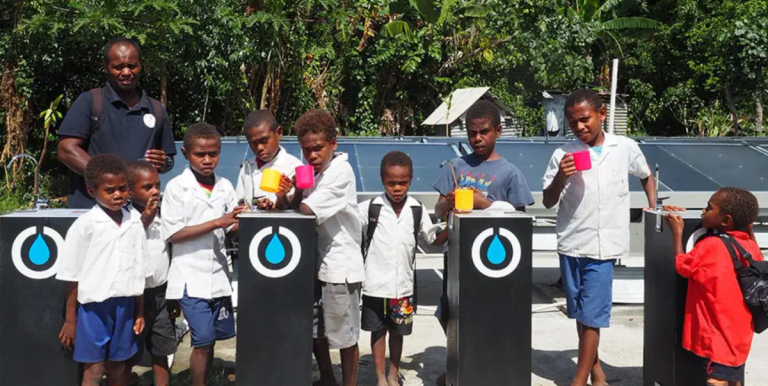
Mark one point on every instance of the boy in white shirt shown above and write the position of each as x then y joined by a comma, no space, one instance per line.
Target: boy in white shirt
104,259
264,134
388,289
592,220
333,200
160,333
199,208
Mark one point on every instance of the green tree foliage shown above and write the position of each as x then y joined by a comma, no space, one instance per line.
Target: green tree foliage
381,66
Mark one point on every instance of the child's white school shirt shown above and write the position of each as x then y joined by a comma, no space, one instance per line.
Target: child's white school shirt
593,211
199,264
333,199
159,260
249,180
105,259
390,262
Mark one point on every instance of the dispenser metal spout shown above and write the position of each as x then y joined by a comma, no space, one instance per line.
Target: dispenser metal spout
39,203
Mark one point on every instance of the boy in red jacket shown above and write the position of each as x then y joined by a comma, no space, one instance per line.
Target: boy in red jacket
718,325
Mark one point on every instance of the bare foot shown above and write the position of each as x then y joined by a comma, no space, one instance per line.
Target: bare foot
393,379
598,377
440,381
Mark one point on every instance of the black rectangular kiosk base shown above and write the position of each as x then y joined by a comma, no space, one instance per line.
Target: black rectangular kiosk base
489,299
32,301
665,362
276,280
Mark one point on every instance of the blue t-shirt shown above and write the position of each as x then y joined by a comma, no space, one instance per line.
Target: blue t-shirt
499,180
598,149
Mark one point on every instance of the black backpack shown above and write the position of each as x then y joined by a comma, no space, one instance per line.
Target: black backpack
753,280
373,220
97,108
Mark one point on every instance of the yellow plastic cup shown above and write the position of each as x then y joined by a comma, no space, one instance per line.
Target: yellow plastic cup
464,200
270,180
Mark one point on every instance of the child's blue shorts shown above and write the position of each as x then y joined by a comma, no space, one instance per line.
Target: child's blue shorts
588,285
209,319
105,331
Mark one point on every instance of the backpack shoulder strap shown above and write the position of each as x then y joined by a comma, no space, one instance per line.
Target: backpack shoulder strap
417,212
97,107
733,246
373,220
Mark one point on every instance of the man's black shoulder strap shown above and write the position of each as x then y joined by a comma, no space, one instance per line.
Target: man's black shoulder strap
373,220
97,108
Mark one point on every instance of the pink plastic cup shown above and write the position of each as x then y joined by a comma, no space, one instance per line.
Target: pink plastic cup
582,160
305,176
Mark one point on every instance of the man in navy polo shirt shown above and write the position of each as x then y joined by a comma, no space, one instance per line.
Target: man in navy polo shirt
127,123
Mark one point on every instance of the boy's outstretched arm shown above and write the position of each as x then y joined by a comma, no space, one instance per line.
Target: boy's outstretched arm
442,237
192,231
67,334
649,185
444,204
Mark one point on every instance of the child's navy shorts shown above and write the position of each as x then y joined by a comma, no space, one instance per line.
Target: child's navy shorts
588,285
723,372
209,319
105,331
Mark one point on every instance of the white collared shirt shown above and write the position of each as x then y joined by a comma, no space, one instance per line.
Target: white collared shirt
333,200
593,211
199,264
249,180
159,261
390,262
105,259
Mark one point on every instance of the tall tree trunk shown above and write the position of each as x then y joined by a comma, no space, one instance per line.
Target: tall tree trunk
265,87
164,88
732,106
759,101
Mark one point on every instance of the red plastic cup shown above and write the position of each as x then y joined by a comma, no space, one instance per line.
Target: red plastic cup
582,160
305,176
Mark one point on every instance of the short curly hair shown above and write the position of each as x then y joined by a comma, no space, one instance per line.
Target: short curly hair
590,97
484,109
259,118
396,158
135,168
102,164
740,204
316,122
200,130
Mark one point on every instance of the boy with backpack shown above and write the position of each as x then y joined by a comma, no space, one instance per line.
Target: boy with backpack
392,224
718,325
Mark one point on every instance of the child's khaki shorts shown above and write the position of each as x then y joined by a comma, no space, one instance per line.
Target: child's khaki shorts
337,314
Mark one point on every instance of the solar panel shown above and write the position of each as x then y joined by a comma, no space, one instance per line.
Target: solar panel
366,160
676,174
721,164
687,164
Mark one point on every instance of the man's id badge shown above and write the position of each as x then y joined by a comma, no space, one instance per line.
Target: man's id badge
149,120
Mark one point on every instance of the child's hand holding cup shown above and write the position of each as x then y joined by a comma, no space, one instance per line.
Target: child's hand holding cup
464,200
270,180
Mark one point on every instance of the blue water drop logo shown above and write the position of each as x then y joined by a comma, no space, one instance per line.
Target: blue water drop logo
496,251
39,252
275,252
